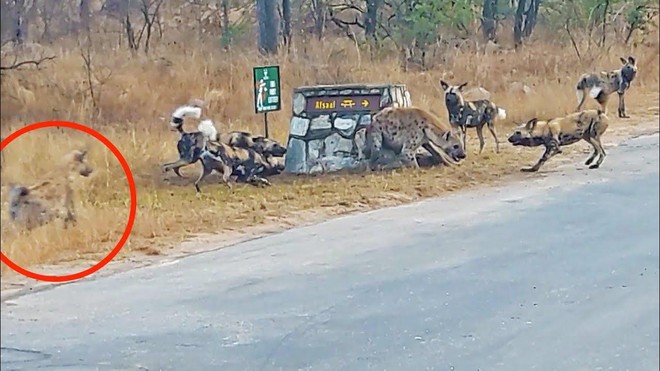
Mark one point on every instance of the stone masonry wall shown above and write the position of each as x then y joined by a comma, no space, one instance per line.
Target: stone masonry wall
327,128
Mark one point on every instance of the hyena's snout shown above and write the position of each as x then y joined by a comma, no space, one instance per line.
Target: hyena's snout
457,152
87,171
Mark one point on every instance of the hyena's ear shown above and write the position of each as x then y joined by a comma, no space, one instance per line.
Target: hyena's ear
623,60
531,124
460,87
80,154
446,136
444,85
631,60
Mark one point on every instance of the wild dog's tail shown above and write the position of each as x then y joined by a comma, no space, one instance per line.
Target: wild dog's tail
183,112
208,130
501,113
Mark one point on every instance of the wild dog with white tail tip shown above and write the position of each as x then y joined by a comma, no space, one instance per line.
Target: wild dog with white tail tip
472,114
586,125
402,130
602,85
190,145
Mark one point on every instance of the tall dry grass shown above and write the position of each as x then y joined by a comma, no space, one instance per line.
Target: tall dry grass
136,95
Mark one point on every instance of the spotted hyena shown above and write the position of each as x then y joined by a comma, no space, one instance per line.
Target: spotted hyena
52,198
402,130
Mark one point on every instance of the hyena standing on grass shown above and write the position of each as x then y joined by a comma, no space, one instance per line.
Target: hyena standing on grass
53,198
471,114
587,125
602,85
402,130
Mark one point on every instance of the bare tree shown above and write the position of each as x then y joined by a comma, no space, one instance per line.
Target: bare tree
319,11
20,25
84,14
488,23
226,35
525,21
286,22
371,17
268,26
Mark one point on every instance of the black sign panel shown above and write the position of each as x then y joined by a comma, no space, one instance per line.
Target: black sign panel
346,103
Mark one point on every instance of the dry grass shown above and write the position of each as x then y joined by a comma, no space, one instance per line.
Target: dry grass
134,103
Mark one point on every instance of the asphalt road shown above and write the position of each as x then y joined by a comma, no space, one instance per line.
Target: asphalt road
560,273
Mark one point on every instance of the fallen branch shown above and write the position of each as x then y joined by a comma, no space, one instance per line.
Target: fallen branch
17,65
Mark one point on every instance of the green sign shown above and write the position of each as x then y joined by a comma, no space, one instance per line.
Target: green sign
267,95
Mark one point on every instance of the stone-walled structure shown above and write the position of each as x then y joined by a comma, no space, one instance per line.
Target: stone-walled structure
327,129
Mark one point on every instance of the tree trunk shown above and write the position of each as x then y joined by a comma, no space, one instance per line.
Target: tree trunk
371,18
488,25
319,17
530,17
286,24
268,26
20,25
84,14
226,37
519,23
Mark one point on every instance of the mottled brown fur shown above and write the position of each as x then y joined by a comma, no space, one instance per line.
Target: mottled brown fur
403,130
51,198
586,125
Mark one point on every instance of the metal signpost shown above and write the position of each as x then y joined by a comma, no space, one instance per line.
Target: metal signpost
267,94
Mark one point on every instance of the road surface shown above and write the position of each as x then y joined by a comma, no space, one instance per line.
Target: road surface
560,273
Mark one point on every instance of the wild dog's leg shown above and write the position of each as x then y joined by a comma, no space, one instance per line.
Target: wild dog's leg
602,99
622,107
226,175
464,135
594,154
491,128
206,170
597,143
174,166
549,152
480,134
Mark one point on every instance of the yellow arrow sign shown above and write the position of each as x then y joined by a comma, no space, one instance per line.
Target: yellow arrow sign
365,103
347,103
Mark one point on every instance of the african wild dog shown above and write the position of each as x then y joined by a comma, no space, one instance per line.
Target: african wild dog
586,125
191,144
471,114
246,163
602,85
52,198
402,130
